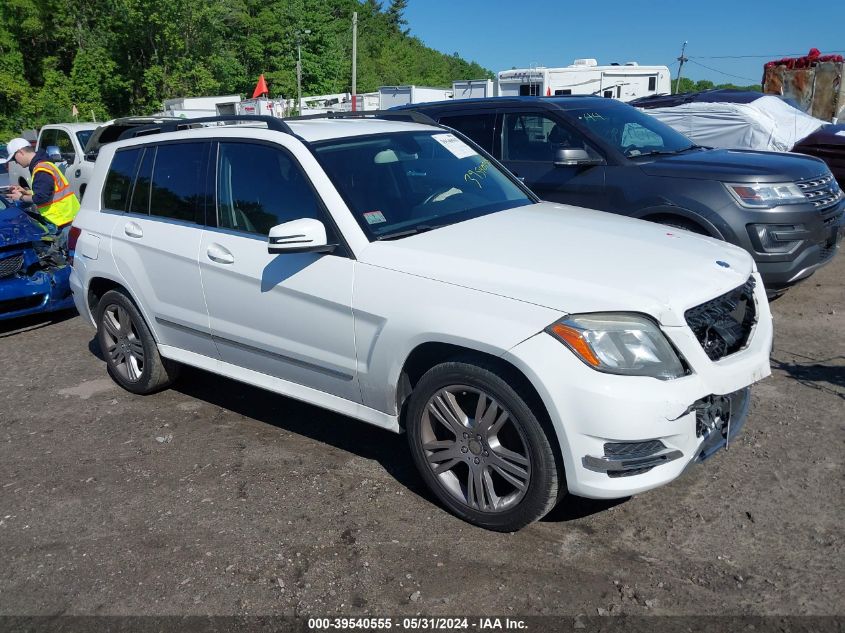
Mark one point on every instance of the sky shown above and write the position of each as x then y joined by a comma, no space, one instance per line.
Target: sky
727,42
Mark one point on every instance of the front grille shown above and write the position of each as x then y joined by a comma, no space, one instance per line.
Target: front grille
723,325
24,303
10,266
823,191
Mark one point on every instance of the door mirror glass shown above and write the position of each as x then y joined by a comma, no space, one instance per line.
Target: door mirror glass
54,154
305,235
568,156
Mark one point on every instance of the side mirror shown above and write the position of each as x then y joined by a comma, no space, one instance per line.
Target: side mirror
53,153
569,156
299,236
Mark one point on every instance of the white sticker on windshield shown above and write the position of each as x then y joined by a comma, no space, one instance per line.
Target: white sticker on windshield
456,146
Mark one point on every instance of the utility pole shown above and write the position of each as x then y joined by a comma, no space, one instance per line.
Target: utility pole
682,60
354,57
299,35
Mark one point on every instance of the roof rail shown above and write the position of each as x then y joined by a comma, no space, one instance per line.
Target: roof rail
401,115
273,123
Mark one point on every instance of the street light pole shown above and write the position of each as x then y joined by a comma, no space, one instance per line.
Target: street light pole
299,35
354,58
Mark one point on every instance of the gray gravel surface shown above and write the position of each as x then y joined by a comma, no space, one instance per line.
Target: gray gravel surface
218,498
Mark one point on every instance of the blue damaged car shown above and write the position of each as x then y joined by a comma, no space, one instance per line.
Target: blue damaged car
33,272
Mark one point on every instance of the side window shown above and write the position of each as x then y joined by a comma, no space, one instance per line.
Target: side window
140,202
178,181
65,146
608,94
259,186
564,91
652,83
47,138
119,179
536,137
479,127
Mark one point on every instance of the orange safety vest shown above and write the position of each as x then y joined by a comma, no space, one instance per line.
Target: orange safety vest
64,205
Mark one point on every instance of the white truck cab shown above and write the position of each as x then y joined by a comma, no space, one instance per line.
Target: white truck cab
64,144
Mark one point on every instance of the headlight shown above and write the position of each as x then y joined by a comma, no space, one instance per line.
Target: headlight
767,195
626,344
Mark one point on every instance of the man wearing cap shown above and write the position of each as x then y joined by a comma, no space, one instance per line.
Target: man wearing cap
50,192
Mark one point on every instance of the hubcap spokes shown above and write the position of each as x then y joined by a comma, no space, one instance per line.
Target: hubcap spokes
475,449
124,349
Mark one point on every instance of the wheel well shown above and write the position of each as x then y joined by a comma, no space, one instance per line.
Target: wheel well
427,355
97,288
679,220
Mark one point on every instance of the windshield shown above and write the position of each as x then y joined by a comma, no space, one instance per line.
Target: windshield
401,183
83,137
631,131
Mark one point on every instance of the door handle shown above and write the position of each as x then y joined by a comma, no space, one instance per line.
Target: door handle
132,229
220,254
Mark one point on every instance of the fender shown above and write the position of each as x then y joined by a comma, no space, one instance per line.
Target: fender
710,223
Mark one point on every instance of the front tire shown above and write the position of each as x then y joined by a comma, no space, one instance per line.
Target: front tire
131,353
481,448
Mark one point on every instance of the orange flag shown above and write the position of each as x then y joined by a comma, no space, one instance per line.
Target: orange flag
260,88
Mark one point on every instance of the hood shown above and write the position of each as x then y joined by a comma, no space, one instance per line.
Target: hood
828,144
572,260
727,165
833,135
17,228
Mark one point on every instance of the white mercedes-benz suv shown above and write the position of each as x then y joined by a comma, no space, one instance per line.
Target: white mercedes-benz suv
394,272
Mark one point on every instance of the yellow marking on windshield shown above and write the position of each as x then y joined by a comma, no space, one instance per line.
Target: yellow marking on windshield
477,174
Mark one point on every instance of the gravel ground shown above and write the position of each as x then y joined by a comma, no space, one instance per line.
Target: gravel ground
214,498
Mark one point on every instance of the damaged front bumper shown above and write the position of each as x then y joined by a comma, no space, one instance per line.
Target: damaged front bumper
623,435
42,291
34,275
719,420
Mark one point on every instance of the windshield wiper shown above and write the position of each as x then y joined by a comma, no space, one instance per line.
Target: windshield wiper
421,228
664,152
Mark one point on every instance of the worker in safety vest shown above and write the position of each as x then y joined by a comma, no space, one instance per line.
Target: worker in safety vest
49,191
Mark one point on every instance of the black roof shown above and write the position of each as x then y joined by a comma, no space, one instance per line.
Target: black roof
568,102
723,95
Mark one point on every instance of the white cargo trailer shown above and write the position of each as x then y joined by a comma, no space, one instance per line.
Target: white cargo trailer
473,89
585,77
263,107
390,96
194,107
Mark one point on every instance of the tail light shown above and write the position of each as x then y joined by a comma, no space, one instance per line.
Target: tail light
72,238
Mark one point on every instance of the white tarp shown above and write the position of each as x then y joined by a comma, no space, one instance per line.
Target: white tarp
767,123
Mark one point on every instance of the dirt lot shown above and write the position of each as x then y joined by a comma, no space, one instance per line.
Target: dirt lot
217,498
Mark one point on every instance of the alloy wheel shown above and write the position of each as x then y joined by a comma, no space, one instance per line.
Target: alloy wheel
124,349
475,448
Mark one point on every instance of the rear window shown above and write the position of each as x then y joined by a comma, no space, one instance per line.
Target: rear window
119,179
84,136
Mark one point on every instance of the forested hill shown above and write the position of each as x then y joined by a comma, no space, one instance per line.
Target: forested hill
118,57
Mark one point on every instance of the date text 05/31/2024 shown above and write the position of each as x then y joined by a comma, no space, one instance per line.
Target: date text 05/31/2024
417,623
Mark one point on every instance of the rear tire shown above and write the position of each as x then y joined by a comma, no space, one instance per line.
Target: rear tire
480,447
131,353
